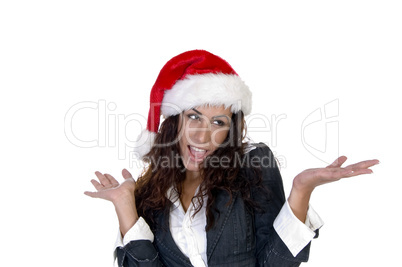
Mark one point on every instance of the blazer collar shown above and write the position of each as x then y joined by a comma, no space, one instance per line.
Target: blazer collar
221,215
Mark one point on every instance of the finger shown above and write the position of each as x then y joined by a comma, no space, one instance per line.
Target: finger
335,174
362,165
338,162
359,172
343,173
92,194
97,185
112,180
102,178
100,194
126,174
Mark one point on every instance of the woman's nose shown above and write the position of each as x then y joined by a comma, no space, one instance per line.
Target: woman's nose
202,134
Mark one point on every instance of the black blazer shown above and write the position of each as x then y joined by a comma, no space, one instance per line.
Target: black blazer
238,238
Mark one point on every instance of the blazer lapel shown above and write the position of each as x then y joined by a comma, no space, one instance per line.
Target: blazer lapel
163,237
221,219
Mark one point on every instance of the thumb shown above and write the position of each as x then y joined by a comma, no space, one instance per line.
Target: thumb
126,174
338,162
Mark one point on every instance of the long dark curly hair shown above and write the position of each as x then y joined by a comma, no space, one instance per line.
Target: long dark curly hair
165,169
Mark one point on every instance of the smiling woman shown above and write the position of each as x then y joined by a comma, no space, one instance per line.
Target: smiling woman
202,131
208,197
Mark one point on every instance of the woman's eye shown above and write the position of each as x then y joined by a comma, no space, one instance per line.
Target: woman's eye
193,116
219,122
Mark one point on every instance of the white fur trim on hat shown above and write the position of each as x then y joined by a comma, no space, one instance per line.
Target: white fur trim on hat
144,143
207,89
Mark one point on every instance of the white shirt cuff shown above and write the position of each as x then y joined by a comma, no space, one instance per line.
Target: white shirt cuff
139,231
295,234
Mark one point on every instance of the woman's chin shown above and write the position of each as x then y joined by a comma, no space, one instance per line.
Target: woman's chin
193,167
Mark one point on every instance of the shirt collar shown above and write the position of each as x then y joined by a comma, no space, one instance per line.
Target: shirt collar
173,196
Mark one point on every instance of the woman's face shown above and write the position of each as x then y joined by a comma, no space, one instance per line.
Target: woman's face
201,131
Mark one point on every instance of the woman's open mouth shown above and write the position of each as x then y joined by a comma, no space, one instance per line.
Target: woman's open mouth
197,154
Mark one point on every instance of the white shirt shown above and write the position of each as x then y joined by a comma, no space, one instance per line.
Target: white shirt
188,232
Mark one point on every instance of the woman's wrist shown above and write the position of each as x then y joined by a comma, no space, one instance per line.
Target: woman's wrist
124,197
126,211
299,200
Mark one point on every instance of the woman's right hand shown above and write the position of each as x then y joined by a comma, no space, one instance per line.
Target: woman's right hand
109,188
121,195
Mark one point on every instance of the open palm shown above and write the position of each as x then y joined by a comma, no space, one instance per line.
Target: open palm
311,178
109,188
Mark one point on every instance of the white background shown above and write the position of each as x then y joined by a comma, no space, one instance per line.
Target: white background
297,57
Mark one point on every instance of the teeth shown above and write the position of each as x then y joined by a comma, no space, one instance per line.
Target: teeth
197,149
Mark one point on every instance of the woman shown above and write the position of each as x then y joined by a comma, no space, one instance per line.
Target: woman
207,197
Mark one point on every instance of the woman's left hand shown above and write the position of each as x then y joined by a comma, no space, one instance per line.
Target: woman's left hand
305,182
309,179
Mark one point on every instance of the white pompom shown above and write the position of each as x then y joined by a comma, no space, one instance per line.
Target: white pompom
144,143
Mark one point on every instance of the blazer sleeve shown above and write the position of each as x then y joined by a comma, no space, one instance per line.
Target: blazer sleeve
138,253
271,250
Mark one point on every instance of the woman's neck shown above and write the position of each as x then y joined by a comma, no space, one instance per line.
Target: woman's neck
189,186
192,178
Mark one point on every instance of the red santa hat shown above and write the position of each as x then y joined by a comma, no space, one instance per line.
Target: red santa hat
193,78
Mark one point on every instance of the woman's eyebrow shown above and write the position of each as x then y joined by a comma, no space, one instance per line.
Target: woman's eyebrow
199,113
217,116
